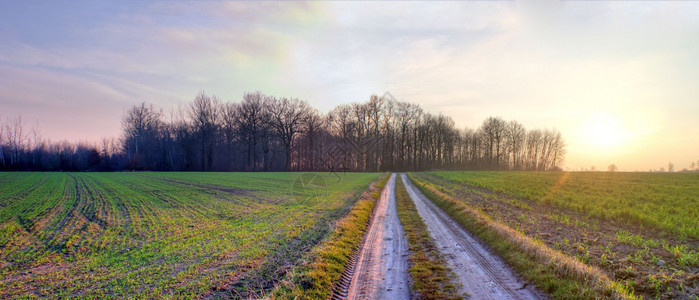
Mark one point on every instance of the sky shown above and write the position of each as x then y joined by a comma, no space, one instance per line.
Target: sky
619,79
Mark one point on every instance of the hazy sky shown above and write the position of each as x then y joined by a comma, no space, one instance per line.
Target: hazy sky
619,79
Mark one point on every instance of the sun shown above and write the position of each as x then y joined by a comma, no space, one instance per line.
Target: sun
603,130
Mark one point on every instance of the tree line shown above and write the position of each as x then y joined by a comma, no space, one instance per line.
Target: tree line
267,133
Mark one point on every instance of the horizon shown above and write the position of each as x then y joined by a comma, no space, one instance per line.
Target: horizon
614,78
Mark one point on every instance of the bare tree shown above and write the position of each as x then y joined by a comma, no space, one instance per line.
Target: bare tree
417,155
559,151
286,119
471,147
204,113
516,137
360,134
140,125
494,129
387,130
264,133
375,114
2,144
534,141
14,135
612,168
313,129
251,116
406,117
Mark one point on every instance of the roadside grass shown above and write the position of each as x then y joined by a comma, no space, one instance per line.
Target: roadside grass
328,260
667,202
554,273
431,278
649,261
162,235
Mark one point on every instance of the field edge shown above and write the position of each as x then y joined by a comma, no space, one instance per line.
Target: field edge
560,276
331,258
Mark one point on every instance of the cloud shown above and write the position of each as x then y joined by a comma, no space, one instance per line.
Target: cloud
65,106
546,66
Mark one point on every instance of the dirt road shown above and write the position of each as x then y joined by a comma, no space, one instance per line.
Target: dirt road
382,268
481,274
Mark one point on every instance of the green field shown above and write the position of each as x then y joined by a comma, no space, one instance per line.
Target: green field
665,201
188,235
152,235
640,229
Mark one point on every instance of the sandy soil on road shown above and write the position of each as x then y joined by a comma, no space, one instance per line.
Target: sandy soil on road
481,274
382,268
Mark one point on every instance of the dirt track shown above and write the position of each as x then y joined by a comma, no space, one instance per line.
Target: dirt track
382,268
481,274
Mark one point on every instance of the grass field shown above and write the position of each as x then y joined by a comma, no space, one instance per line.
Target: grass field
639,229
185,235
665,201
152,235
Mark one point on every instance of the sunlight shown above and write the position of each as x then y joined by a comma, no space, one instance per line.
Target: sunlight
556,187
603,130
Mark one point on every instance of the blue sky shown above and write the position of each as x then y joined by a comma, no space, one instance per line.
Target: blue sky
626,71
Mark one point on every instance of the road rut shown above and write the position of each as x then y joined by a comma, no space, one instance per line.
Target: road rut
481,274
382,268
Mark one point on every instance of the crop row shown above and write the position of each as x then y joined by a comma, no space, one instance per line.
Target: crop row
650,261
154,235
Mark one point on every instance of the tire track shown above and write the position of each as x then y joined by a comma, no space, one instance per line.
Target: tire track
482,274
382,267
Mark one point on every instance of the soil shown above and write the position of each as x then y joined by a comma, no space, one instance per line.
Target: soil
381,271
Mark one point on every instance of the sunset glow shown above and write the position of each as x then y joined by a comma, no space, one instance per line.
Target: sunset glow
603,131
237,149
617,78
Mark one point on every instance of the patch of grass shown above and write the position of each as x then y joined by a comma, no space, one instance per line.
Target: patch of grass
552,272
625,237
664,201
685,257
430,274
162,235
328,260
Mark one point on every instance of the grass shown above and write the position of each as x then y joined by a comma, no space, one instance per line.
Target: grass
162,235
554,273
668,202
431,277
327,261
650,261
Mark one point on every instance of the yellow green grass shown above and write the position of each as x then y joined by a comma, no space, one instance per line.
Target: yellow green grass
162,235
664,201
